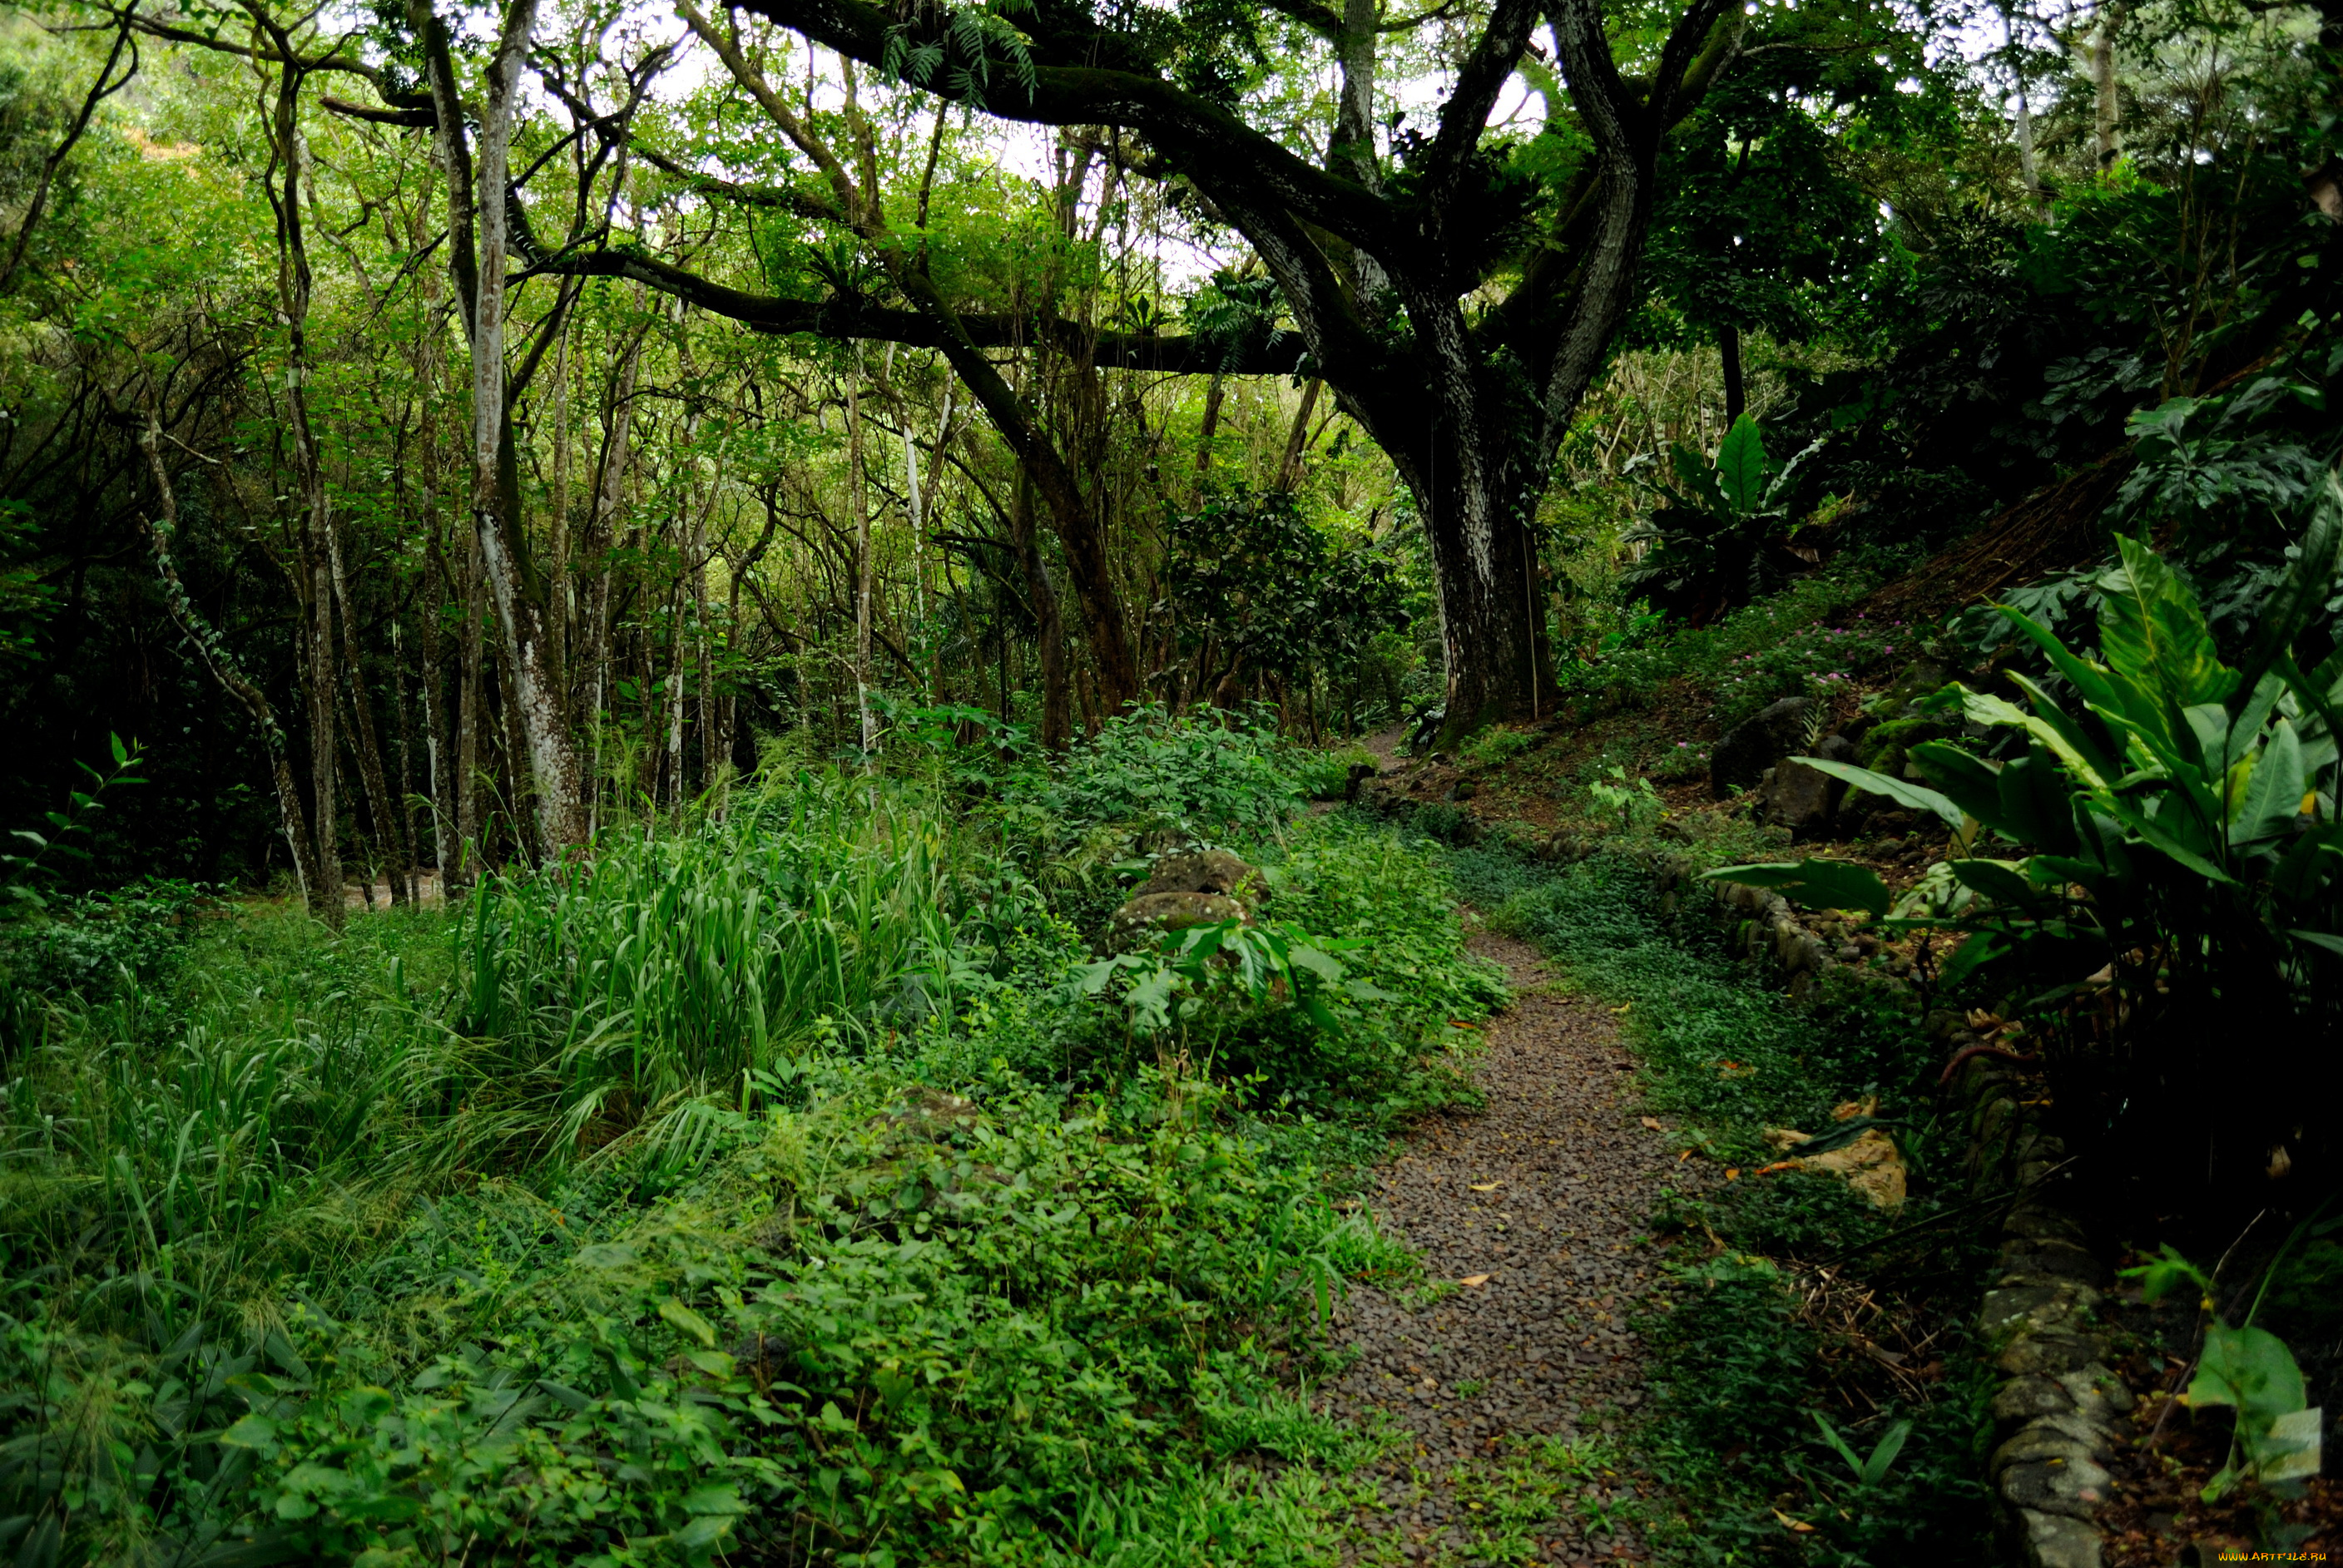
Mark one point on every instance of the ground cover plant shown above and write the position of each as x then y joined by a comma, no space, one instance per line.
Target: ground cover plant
770,1183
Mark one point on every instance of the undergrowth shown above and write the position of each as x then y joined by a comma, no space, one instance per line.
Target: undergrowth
765,1188
1791,1309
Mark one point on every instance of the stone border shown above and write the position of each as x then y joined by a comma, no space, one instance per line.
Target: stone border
2055,1414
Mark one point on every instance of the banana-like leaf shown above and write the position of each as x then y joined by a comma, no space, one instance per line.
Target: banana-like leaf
2147,828
1741,465
2258,704
2032,801
2153,632
2304,868
1980,949
1819,884
2058,730
2090,680
2209,725
1695,473
2003,881
2270,801
2327,939
1973,785
1902,791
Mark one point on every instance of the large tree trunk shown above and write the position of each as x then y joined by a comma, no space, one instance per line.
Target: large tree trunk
1499,663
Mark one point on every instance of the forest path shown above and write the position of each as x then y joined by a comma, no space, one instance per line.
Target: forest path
1507,1395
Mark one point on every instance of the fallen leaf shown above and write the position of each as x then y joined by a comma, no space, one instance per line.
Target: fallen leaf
1732,1174
1685,1156
1623,1009
1474,1281
1800,1526
1654,1123
1486,1186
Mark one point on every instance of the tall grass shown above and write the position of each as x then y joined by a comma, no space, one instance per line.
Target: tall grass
257,1130
673,966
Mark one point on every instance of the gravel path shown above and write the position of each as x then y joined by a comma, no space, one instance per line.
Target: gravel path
1505,1397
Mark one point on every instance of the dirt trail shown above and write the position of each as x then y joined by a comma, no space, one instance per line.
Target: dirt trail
1542,1193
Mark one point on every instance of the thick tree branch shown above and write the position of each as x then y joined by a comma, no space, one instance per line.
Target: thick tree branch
845,319
1195,132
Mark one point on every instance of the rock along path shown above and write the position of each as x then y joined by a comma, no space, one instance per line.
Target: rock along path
1504,1398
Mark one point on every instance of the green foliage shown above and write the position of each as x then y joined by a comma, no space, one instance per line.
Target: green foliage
1191,778
21,874
90,945
730,1191
1634,805
1497,743
2180,812
1326,775
1775,648
1719,537
1194,968
1252,583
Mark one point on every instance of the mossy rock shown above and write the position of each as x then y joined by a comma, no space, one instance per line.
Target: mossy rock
1887,748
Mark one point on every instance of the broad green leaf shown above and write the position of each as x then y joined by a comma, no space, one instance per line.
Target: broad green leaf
1820,884
2327,939
252,1431
1700,478
2153,631
1902,791
2271,798
2258,706
714,1497
1971,784
2147,828
2033,801
2209,725
2057,728
1319,964
689,1322
2090,680
2250,1369
1980,949
2003,881
1741,465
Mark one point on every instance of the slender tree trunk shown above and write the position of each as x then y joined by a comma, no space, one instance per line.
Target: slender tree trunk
1728,347
2028,167
1050,637
213,651
1289,472
517,592
1215,391
470,715
2105,104
380,807
859,498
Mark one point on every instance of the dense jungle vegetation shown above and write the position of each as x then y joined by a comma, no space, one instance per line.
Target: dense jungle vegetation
600,607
